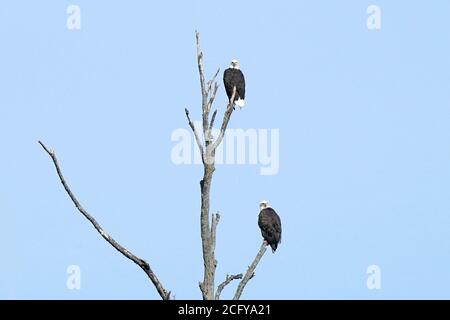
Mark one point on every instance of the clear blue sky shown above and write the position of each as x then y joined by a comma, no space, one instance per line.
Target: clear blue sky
364,122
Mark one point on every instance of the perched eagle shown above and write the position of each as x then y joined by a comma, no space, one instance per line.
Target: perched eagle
233,77
270,224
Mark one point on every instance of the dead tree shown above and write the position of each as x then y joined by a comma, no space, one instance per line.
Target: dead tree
207,145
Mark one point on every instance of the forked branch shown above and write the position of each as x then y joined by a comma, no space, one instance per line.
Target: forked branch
227,281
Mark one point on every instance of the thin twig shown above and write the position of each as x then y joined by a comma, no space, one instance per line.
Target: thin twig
208,135
212,97
204,91
197,136
227,281
212,94
250,271
140,262
213,118
213,79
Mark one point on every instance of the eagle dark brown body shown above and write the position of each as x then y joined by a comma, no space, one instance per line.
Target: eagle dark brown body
270,224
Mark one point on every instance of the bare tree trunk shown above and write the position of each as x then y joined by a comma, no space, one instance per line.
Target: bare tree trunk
209,261
207,147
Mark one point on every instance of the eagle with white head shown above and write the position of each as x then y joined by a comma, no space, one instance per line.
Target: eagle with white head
270,224
233,77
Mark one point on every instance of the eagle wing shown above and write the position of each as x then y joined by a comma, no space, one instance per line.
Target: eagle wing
232,78
227,81
241,84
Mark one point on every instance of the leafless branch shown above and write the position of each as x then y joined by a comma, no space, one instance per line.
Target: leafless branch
250,271
200,69
214,223
205,92
213,80
208,135
211,93
227,281
213,118
212,97
140,262
196,134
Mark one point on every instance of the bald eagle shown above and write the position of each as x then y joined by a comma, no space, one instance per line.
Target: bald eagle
270,224
233,77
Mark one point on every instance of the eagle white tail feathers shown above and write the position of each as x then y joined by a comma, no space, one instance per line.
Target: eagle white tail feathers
274,247
240,103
